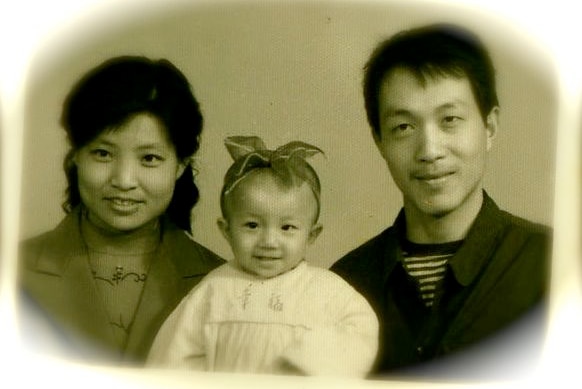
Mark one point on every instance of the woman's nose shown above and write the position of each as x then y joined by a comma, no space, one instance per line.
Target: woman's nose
123,175
430,144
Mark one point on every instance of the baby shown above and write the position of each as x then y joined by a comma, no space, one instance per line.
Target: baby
267,310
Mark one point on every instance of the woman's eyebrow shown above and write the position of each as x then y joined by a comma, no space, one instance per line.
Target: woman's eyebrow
102,141
153,145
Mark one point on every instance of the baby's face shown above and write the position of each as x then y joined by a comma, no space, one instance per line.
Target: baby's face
269,226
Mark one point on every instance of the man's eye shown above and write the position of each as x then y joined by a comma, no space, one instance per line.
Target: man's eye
451,120
402,127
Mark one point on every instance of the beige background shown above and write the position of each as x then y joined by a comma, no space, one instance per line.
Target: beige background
293,72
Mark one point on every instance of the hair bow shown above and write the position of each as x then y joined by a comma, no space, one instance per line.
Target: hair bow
287,161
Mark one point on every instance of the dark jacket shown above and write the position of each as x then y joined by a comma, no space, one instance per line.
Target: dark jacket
57,287
498,274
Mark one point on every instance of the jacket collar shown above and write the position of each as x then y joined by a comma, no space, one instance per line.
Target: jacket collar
68,248
65,255
478,244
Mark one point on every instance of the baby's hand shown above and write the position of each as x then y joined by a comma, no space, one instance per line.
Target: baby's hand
284,367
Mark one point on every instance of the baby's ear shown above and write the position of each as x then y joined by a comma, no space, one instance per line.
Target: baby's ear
315,231
223,227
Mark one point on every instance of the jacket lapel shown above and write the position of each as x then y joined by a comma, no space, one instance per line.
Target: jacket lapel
178,266
160,289
484,240
73,297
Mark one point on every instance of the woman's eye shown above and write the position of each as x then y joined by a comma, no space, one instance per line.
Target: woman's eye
101,154
152,160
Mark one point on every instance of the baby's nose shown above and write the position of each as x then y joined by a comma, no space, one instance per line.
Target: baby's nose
269,237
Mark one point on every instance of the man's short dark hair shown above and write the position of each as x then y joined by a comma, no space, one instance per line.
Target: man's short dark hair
432,51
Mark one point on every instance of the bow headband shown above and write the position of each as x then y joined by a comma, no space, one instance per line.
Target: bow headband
287,162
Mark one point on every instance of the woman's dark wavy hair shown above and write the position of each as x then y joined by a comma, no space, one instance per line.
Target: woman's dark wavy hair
430,51
116,90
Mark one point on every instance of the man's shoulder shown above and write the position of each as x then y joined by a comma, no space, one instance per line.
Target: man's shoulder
367,256
493,217
523,234
525,226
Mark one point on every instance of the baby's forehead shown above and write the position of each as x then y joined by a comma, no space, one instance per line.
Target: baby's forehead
266,187
269,184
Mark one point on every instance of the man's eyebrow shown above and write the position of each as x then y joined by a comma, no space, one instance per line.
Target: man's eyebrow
396,112
452,104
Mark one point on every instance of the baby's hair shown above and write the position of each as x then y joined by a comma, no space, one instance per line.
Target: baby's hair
287,163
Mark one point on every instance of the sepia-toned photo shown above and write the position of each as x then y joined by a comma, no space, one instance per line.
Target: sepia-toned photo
353,191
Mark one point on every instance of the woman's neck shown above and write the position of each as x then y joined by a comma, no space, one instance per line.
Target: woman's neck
142,240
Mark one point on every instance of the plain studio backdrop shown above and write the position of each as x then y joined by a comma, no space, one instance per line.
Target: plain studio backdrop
293,71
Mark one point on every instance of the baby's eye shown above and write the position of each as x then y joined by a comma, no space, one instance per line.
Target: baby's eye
152,160
101,155
251,225
288,227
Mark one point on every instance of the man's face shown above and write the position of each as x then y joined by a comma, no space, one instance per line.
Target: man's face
434,141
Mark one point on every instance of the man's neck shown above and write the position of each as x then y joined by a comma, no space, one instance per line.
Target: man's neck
452,226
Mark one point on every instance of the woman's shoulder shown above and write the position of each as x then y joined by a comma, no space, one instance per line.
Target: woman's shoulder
188,255
64,234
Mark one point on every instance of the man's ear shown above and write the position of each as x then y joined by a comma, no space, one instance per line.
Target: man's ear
492,124
223,227
377,136
314,232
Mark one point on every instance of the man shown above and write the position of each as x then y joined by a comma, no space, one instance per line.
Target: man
453,269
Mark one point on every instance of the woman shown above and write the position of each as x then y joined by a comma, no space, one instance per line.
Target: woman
108,275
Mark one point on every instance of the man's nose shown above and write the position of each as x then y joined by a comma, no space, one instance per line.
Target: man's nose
430,143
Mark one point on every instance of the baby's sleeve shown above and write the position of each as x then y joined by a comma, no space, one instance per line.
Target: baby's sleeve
179,343
346,346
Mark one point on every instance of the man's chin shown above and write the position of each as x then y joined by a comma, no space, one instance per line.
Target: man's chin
436,207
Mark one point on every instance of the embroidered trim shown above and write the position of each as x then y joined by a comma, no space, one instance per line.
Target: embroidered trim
119,276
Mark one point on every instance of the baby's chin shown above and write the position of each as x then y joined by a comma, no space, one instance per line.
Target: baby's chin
265,273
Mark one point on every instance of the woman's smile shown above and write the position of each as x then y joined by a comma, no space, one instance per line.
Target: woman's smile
123,205
127,176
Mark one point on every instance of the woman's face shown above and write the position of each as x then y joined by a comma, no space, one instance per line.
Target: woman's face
127,175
